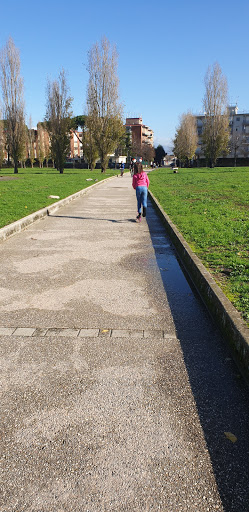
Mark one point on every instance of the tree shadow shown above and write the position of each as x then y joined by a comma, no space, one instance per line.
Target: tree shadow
220,393
122,221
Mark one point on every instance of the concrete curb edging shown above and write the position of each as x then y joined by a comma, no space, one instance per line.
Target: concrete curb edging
19,225
232,326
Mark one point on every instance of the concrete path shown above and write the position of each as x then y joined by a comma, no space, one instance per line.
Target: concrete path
99,408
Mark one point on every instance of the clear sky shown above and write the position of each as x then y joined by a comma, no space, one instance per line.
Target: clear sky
164,47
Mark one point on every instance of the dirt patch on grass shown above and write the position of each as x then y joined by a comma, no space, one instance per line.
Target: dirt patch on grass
7,178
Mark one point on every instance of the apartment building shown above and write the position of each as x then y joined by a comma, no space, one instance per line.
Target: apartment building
239,138
140,133
76,146
239,125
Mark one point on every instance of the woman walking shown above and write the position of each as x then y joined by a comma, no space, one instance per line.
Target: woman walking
140,183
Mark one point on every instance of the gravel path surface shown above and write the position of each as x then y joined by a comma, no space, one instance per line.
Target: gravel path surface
117,393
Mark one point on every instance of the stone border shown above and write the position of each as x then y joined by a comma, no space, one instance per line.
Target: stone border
232,326
21,224
84,332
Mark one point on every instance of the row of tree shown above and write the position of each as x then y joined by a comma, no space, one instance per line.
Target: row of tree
34,146
102,126
216,132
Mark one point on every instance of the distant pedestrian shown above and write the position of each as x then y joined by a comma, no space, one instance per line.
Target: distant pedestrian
140,183
122,169
131,168
133,163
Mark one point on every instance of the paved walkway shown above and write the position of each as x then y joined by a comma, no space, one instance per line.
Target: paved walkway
97,403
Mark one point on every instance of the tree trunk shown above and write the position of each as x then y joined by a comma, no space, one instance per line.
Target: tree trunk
15,167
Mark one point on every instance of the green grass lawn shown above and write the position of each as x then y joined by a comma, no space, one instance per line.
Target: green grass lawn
210,207
29,190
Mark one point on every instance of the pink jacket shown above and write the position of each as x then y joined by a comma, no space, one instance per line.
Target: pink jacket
140,180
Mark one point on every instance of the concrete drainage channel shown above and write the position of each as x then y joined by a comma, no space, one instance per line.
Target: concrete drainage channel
233,328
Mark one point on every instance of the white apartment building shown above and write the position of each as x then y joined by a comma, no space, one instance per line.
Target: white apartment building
239,139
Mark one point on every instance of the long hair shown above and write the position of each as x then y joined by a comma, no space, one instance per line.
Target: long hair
138,168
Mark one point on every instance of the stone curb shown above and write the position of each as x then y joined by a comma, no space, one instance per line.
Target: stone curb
19,225
85,332
232,326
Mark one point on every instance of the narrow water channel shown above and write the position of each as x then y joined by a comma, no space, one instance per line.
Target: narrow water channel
222,397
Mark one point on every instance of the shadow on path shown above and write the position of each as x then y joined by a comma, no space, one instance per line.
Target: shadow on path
122,221
221,396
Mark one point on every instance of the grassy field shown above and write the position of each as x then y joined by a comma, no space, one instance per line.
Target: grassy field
29,190
210,207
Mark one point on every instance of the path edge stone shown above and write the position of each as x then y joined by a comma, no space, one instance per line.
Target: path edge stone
225,315
19,225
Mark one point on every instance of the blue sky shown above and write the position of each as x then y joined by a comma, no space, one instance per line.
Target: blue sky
165,48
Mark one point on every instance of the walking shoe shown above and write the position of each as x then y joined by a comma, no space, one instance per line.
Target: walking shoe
139,218
144,211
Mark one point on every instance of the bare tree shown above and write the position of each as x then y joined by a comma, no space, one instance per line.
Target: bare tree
90,149
47,147
103,104
31,143
216,122
58,119
142,150
13,101
186,139
136,148
148,152
2,140
40,148
237,142
43,149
